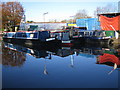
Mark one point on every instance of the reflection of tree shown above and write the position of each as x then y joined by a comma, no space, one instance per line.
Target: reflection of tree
12,58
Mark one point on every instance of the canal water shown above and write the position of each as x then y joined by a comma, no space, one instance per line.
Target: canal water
80,66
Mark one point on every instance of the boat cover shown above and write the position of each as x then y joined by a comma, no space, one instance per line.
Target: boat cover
108,23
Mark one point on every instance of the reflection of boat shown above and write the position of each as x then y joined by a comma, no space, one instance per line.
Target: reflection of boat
104,55
89,52
84,51
34,52
63,52
19,52
40,51
109,58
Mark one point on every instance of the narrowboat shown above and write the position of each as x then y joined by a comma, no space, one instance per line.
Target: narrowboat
65,35
32,34
99,36
103,29
29,37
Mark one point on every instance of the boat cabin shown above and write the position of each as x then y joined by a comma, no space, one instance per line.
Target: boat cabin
97,34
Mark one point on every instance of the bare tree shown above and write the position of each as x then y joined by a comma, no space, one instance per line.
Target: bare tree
12,13
81,14
109,8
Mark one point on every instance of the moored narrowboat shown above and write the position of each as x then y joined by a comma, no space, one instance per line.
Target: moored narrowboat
100,36
29,37
64,35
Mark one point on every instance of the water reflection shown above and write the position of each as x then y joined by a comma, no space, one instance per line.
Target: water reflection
12,57
15,55
109,57
48,67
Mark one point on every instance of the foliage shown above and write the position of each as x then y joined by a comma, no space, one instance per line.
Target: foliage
1,30
12,13
53,20
64,21
30,21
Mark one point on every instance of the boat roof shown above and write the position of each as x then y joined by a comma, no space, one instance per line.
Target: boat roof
114,14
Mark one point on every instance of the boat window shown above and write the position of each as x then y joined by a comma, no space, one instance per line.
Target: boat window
31,35
91,33
95,33
81,33
102,34
86,33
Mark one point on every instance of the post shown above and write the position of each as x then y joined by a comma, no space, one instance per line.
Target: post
23,23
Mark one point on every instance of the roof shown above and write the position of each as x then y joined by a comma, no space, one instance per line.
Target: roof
109,14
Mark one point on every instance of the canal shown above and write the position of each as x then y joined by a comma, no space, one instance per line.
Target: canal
80,66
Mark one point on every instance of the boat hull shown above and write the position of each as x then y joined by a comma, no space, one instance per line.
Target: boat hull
32,42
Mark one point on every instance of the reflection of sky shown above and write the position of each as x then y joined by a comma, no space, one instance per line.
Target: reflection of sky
87,55
84,74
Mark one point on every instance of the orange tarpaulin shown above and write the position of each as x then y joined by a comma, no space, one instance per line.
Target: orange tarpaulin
107,23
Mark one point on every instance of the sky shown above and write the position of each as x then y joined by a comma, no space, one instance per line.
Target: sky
59,10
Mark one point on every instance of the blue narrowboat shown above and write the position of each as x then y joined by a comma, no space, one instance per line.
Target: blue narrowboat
98,36
29,37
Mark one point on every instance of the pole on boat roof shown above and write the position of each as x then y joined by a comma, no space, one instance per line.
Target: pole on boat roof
72,19
23,23
119,7
44,18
